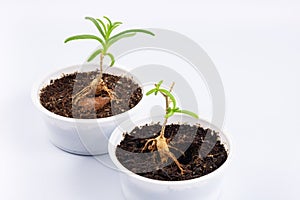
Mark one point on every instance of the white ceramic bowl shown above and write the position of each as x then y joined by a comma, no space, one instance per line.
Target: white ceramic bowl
136,187
80,136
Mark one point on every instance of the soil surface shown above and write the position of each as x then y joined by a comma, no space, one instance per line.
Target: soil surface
57,96
198,150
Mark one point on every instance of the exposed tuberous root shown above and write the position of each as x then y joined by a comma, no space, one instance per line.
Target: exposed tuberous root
91,103
82,93
101,86
171,155
160,143
96,87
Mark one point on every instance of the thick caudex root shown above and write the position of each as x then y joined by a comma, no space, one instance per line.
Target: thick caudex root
160,143
97,102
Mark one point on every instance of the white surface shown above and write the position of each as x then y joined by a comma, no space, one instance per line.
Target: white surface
254,44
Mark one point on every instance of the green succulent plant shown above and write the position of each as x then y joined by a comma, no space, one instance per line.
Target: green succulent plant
160,142
169,110
106,39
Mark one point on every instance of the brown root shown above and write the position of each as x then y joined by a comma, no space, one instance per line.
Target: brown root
96,102
160,143
150,147
101,86
96,87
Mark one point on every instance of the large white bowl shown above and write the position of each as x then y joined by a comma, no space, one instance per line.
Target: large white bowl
136,187
80,136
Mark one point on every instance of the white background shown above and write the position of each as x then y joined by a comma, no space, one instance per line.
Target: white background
254,44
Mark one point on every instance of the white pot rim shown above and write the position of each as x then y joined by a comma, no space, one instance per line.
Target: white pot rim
122,169
35,95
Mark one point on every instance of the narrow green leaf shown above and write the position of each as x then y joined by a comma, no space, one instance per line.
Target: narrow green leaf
132,31
95,22
166,92
96,53
108,20
85,36
111,42
169,114
110,29
159,84
111,58
114,26
117,23
103,25
188,113
150,91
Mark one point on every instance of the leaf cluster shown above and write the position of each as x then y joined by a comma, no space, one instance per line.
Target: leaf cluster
170,110
106,40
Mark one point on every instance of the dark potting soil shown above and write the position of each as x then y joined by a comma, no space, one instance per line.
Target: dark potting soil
57,96
198,150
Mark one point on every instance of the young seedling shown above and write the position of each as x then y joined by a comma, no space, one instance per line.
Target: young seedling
106,40
161,142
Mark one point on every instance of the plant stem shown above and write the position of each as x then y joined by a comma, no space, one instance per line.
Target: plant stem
101,65
162,132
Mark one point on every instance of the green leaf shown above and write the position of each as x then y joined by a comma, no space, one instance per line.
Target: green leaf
159,84
108,20
151,91
85,36
117,23
132,31
114,26
111,42
103,25
111,28
166,92
111,58
97,25
170,113
188,113
96,53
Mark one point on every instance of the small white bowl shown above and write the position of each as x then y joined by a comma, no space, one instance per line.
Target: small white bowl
81,136
136,187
